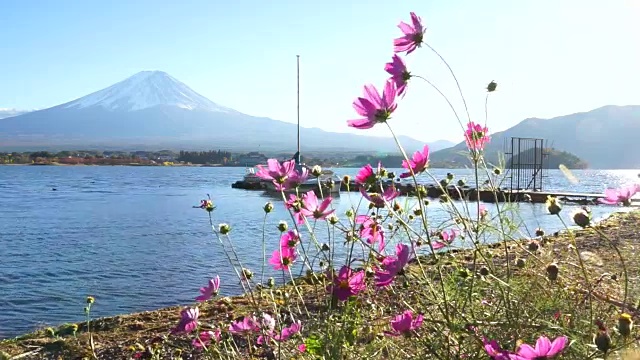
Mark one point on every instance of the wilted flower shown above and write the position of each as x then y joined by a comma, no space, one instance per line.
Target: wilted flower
404,324
375,108
209,291
413,35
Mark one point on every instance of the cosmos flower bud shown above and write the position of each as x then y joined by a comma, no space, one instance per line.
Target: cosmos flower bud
224,228
484,271
497,171
450,176
602,341
411,217
268,207
552,271
346,179
422,191
492,86
349,213
625,324
417,212
552,205
90,300
325,247
444,198
444,182
316,170
282,226
521,263
462,182
271,282
391,175
582,217
539,232
396,207
247,274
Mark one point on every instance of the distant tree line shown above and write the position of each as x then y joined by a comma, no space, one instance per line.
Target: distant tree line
206,157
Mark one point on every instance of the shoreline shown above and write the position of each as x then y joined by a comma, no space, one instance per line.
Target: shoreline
116,333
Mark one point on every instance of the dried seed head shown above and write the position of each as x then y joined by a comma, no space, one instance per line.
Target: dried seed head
521,263
552,271
533,246
602,341
539,232
484,271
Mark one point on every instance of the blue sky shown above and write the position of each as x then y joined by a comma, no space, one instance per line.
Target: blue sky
549,57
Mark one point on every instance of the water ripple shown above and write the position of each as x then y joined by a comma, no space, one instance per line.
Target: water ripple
130,237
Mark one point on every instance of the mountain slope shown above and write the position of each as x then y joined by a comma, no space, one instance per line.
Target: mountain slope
152,110
606,138
5,113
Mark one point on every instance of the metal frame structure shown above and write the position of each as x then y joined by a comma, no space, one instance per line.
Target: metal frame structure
525,163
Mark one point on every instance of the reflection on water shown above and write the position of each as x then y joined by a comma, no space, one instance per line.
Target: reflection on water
130,237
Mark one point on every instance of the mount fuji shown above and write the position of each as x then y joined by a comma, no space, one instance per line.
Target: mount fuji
152,110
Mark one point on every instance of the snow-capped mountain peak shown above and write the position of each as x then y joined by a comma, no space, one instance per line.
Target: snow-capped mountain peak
144,90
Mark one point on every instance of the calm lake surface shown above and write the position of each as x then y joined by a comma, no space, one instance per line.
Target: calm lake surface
130,237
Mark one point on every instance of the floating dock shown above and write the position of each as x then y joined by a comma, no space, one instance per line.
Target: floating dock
465,193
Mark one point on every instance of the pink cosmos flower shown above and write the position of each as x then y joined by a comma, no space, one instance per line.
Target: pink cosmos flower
276,172
494,350
205,337
418,163
209,291
290,239
367,177
312,208
620,196
296,178
379,200
476,136
347,283
288,332
392,266
188,321
544,349
295,203
247,325
302,347
375,108
446,238
404,324
283,258
483,212
413,35
371,230
399,73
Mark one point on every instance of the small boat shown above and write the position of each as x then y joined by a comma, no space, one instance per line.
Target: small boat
328,181
250,177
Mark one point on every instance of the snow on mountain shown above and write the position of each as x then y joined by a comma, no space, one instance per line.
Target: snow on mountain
144,90
8,112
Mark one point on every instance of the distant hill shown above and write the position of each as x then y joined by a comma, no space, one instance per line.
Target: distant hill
152,111
605,138
552,160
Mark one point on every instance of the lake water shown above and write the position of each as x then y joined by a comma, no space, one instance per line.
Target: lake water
130,237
